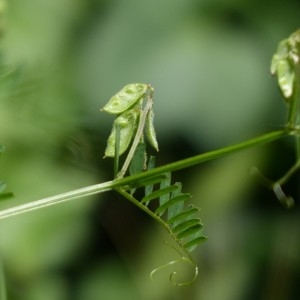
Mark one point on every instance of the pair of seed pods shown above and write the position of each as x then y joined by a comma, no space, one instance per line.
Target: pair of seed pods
128,105
284,64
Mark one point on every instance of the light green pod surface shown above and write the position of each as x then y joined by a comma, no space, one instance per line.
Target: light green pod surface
125,98
150,131
126,124
284,63
282,67
286,77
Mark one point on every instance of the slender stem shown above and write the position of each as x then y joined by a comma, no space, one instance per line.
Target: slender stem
140,205
155,217
185,256
289,173
198,159
83,192
130,180
297,101
294,110
294,124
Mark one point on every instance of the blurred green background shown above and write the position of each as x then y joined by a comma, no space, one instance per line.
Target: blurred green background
208,60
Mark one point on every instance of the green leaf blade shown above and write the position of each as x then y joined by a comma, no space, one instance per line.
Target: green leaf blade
3,186
159,193
178,207
190,231
137,164
183,215
2,149
151,165
164,184
192,244
173,201
186,224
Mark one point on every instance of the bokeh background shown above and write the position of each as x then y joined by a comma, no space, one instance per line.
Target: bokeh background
208,60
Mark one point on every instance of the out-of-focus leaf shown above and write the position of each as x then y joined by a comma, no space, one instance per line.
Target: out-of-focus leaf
3,186
2,149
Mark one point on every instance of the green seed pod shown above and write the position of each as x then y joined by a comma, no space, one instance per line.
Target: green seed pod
150,131
125,98
281,66
274,63
126,124
284,64
286,77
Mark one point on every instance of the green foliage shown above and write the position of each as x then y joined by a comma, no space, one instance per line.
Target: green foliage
170,211
163,200
180,221
285,65
3,185
285,62
133,118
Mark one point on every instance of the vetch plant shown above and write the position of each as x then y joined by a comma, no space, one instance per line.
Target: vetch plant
133,128
285,66
132,119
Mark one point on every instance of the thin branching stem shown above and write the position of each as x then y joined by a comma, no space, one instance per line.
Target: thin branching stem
131,180
49,201
201,158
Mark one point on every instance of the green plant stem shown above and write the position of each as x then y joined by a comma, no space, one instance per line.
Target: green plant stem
297,106
158,219
289,173
201,158
83,192
138,178
297,141
293,122
293,125
148,211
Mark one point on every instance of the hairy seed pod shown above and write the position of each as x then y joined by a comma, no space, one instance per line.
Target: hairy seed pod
150,131
126,124
125,98
286,77
285,62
